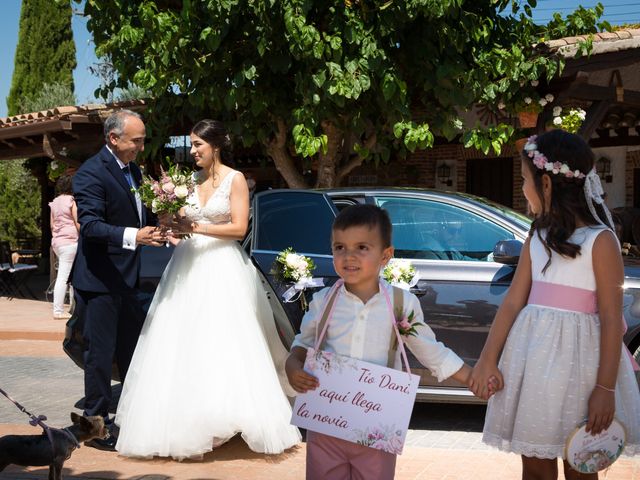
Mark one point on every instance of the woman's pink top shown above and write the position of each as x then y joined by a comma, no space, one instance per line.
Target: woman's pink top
64,228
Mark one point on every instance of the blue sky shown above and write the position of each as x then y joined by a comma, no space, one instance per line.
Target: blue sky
85,83
616,12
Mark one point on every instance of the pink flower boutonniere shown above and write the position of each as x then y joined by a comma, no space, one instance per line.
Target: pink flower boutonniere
407,325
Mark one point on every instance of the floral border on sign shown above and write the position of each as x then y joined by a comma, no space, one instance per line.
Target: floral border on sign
385,437
319,360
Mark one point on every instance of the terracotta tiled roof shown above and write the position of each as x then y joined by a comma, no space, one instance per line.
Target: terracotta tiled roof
604,42
91,111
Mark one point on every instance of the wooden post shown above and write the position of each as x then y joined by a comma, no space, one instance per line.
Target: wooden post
595,115
39,170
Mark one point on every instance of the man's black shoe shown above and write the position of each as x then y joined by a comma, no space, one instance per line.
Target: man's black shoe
108,444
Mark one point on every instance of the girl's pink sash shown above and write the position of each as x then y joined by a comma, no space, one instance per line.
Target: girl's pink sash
569,298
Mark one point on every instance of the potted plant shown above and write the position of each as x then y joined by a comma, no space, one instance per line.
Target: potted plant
529,106
55,169
571,121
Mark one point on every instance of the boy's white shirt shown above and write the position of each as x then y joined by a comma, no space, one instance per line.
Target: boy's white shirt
363,331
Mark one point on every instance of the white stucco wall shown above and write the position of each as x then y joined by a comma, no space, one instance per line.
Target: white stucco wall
616,189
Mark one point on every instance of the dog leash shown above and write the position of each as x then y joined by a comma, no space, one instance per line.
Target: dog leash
39,420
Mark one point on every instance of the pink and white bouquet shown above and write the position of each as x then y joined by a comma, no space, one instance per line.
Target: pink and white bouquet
169,193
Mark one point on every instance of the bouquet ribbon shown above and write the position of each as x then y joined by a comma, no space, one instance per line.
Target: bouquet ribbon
301,285
405,285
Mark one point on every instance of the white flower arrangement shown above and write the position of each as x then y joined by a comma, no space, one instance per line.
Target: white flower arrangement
400,273
532,102
571,122
55,170
290,267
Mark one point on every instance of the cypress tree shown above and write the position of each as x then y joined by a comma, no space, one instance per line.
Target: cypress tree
45,53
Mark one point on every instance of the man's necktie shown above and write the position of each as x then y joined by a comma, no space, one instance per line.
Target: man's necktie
127,175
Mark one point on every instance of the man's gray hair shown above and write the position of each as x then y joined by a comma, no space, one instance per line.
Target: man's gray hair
115,122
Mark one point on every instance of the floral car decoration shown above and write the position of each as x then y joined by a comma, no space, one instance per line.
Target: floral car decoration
400,273
290,267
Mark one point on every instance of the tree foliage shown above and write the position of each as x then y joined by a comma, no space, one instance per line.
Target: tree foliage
20,199
20,194
45,53
334,81
48,96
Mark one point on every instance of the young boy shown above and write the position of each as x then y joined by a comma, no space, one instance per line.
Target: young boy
360,328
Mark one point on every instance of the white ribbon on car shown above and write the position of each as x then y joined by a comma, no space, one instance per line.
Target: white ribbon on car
292,293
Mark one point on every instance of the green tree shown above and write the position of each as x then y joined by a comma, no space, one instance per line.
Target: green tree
45,53
50,95
20,200
20,193
334,81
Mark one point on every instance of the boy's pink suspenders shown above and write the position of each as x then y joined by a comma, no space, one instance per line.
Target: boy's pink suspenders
394,313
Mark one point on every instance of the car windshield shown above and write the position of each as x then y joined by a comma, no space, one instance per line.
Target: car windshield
429,229
516,217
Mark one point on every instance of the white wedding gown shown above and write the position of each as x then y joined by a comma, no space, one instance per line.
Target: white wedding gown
203,369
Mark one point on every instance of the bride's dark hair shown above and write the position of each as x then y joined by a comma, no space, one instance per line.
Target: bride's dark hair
214,133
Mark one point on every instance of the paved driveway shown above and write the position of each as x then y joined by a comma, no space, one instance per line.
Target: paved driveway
443,443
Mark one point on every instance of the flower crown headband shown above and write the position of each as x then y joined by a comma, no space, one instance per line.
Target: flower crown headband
593,191
541,162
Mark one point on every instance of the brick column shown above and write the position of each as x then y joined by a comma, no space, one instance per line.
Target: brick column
632,162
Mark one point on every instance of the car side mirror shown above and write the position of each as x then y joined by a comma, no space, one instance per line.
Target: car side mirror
507,252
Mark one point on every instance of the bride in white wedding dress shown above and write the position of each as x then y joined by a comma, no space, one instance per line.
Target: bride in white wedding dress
207,361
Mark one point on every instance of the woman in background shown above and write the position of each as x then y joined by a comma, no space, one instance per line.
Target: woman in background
64,232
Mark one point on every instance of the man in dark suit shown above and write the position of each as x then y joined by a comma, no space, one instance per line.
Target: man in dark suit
113,224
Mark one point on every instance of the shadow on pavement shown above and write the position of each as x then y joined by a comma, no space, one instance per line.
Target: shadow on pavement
448,416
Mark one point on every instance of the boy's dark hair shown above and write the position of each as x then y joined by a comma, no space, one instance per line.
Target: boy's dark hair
361,215
63,185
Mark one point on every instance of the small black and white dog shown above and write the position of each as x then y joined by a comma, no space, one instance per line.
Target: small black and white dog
36,450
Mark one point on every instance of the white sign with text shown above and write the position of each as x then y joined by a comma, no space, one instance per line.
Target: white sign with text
357,401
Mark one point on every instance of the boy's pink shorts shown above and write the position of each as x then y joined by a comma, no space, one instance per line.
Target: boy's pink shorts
329,458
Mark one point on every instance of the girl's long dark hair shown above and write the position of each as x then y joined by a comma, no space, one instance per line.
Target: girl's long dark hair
215,134
568,204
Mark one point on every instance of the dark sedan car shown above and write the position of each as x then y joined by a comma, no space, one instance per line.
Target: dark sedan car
464,248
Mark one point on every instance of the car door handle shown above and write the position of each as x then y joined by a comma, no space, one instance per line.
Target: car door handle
417,291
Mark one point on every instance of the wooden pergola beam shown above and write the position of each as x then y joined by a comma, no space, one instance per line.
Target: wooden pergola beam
619,141
90,143
602,61
14,153
30,129
595,115
594,93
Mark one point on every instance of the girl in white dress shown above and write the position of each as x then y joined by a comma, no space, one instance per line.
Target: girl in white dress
207,361
559,328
